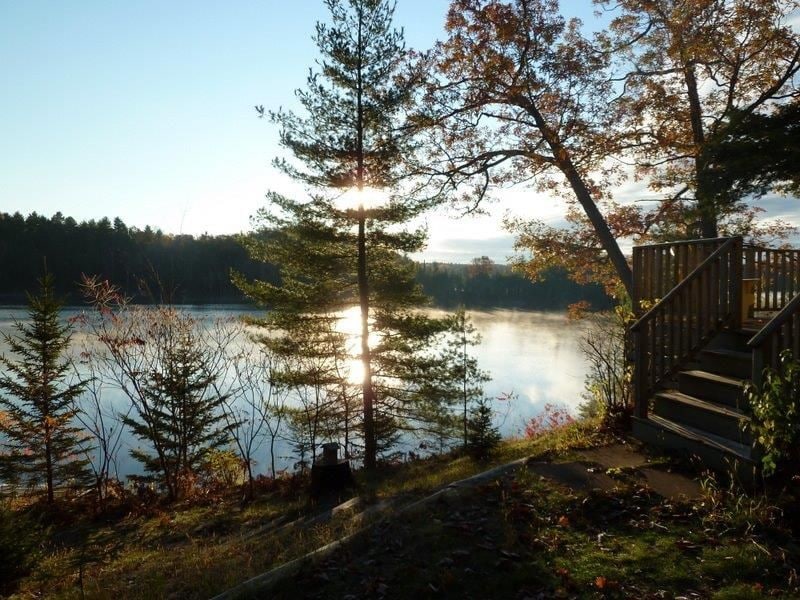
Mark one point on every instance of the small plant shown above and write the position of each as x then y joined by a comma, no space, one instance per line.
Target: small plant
20,546
482,435
608,381
775,410
552,417
221,469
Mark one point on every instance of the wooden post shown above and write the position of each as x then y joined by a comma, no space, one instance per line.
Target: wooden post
636,296
736,283
639,399
758,366
748,298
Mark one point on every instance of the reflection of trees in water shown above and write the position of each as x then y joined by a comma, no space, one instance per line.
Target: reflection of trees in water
533,355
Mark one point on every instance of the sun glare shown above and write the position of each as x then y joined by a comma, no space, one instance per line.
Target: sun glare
356,371
350,324
367,197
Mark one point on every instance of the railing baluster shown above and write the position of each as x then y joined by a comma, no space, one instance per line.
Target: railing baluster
762,288
700,300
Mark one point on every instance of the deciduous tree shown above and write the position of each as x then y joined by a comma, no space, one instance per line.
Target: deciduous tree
692,70
161,358
520,95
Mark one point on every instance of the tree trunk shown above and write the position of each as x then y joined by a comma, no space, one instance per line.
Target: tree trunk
250,483
607,239
464,374
370,443
704,198
564,163
48,451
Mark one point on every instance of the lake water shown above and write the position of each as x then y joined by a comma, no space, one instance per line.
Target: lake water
532,357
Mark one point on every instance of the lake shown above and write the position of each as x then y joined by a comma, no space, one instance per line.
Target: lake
532,357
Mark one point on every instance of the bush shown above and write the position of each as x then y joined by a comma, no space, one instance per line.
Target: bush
552,417
221,469
20,547
482,436
608,382
775,418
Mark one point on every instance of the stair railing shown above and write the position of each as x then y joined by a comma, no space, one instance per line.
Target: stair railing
685,319
657,268
777,275
781,333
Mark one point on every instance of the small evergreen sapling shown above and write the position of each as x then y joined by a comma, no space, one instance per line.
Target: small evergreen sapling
38,405
179,413
482,436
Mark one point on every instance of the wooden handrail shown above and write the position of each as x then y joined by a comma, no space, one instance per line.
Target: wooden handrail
781,333
686,318
658,268
683,284
704,241
777,275
775,323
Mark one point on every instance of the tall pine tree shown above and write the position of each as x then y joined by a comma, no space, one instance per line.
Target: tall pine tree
42,444
335,255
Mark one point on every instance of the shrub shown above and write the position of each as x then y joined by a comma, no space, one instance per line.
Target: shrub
608,382
221,469
482,436
552,417
775,418
20,547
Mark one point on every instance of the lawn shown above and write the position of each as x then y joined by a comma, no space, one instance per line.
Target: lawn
517,536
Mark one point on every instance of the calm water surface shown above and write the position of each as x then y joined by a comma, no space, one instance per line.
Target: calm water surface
532,357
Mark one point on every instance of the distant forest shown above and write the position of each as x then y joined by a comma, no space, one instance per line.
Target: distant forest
151,266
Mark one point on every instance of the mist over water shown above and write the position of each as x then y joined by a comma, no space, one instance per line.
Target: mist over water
532,357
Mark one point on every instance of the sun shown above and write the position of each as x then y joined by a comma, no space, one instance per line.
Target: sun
355,373
367,198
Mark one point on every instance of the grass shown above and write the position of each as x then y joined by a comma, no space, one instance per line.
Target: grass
523,537
515,536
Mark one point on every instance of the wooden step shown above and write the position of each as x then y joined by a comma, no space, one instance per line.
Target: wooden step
712,387
722,421
716,453
732,339
731,363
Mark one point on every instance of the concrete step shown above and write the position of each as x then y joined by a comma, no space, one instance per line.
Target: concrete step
716,453
731,363
722,421
712,387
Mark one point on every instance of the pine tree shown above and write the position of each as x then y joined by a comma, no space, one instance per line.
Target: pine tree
482,435
43,446
178,414
333,256
466,379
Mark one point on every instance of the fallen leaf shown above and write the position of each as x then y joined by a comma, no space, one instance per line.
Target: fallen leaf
563,573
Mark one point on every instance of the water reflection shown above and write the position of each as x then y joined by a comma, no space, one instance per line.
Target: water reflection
532,357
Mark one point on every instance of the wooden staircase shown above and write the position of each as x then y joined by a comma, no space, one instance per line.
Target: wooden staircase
702,412
697,346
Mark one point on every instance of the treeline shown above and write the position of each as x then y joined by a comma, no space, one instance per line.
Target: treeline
146,263
483,284
150,265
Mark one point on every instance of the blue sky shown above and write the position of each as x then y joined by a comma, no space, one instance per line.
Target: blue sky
143,109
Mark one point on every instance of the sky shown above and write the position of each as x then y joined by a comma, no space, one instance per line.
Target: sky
144,110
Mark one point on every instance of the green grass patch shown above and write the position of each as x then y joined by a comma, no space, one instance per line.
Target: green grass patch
516,536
